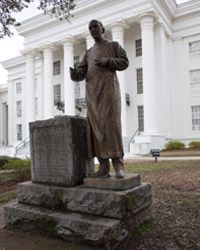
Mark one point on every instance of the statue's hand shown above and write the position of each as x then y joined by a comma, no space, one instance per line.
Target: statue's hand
71,69
72,72
101,62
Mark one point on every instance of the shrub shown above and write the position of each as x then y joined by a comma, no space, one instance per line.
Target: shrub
17,164
194,145
175,145
3,161
19,170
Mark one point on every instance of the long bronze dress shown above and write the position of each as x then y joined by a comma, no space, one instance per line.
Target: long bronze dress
103,98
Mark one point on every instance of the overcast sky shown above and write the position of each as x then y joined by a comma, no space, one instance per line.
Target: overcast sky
11,47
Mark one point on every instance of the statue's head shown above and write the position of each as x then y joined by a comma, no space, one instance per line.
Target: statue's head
96,29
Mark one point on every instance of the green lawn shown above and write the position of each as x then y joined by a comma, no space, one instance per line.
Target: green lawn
144,166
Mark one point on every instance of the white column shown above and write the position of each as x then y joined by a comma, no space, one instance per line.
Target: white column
48,82
1,122
148,63
30,89
11,114
162,81
69,93
40,89
171,87
89,40
118,35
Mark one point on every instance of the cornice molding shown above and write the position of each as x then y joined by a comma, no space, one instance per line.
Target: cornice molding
129,8
150,13
187,10
68,39
27,52
187,16
165,10
82,6
188,31
170,6
124,12
13,62
119,23
87,7
46,46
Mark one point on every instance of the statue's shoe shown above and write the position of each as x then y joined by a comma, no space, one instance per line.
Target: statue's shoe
119,174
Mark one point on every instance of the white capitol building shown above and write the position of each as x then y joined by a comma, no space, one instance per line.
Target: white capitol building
160,89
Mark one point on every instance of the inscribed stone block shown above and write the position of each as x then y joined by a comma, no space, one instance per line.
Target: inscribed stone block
59,150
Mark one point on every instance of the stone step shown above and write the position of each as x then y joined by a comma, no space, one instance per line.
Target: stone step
74,227
108,203
68,225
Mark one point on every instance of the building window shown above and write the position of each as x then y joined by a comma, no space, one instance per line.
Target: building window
138,47
19,108
57,93
18,88
56,68
195,82
80,102
141,118
139,81
195,118
194,48
19,132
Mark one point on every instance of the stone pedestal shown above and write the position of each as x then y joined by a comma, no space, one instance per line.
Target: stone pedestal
96,216
100,211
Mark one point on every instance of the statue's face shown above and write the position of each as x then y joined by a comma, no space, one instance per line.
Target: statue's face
95,29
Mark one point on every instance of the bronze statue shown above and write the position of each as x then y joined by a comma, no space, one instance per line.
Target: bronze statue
98,67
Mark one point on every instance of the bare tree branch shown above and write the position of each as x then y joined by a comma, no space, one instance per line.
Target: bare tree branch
60,9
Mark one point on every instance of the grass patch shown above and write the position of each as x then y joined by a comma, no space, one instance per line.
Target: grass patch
142,230
187,198
7,196
149,166
157,166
